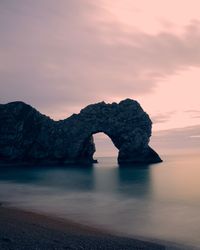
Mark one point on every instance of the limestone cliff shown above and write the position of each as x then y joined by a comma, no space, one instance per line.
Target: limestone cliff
27,136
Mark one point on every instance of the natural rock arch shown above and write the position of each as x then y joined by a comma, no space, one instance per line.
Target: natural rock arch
28,136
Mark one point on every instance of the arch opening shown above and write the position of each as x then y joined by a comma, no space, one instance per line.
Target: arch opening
104,147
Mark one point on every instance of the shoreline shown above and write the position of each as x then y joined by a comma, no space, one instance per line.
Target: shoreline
24,229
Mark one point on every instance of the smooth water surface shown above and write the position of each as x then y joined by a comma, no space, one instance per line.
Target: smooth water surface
160,201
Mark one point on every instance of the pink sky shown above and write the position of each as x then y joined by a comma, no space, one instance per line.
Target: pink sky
61,55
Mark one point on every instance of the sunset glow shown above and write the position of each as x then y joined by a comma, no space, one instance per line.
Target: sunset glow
100,124
68,54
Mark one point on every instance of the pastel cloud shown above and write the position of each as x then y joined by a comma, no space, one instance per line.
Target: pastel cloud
173,140
61,55
161,118
194,113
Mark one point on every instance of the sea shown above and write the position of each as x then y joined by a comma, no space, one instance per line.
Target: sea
158,201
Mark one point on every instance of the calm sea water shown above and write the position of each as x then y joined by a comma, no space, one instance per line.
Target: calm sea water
159,201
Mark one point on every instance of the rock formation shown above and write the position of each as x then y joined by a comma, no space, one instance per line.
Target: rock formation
27,136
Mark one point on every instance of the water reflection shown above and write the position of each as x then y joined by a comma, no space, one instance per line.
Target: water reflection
71,178
127,181
135,181
160,201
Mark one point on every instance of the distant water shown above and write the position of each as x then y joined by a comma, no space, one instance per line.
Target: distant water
159,201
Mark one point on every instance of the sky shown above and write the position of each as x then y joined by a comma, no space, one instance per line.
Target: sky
61,55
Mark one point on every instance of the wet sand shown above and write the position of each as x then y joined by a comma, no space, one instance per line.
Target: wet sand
28,230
